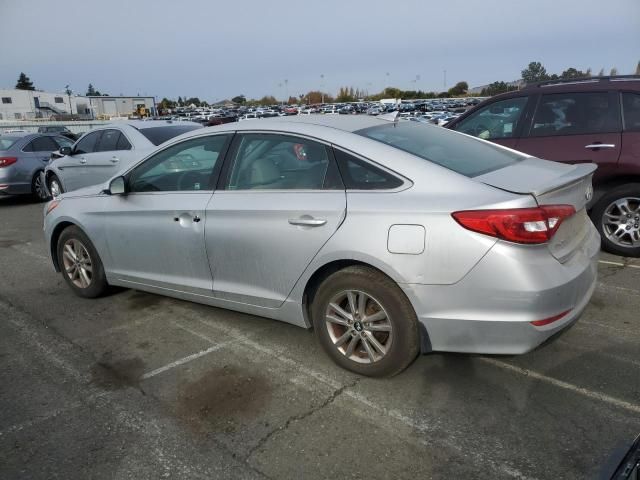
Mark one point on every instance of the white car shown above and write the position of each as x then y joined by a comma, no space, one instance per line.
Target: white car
101,153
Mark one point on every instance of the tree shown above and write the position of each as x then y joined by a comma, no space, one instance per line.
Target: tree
638,69
316,96
193,100
495,88
239,99
292,100
601,72
180,102
268,100
534,72
614,71
458,89
24,83
91,92
571,73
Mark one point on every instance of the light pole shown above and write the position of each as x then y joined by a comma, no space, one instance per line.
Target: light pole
322,87
68,91
286,91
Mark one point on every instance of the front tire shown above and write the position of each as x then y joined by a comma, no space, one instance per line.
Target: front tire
365,322
617,218
55,187
80,264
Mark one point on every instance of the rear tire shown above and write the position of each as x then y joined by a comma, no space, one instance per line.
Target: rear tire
55,187
619,211
374,329
38,191
80,264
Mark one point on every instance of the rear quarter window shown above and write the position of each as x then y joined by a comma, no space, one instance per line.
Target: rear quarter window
452,150
158,135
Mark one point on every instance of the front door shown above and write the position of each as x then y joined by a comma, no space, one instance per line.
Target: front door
155,233
111,151
278,208
72,166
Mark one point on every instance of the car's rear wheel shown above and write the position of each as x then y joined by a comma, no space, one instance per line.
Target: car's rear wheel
365,322
617,218
80,264
55,187
38,191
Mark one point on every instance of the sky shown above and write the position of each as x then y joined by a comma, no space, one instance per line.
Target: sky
215,50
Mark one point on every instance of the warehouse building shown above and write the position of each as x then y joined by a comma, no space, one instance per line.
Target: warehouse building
35,104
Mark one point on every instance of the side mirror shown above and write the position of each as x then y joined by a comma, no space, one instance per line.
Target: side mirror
65,150
117,186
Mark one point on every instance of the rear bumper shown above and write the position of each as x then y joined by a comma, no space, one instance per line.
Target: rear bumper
490,309
12,182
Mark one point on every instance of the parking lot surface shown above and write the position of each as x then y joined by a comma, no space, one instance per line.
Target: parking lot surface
136,385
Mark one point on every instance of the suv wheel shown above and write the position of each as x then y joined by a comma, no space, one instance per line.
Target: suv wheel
617,218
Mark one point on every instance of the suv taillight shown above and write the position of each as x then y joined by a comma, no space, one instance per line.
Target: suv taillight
6,161
519,225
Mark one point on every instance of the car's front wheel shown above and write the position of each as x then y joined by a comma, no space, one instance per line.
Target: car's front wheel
55,187
617,218
80,264
365,322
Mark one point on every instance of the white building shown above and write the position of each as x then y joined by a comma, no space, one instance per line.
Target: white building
31,104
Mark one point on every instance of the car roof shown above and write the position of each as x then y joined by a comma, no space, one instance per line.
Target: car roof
141,124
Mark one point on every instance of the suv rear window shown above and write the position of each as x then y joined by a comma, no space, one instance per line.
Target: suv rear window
158,135
452,150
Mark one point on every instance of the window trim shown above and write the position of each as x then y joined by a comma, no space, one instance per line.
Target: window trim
611,96
75,145
225,174
38,151
621,100
215,174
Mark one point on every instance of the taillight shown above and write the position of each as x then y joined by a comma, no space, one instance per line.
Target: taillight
6,161
519,225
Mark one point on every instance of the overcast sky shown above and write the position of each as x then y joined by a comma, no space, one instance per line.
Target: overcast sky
218,49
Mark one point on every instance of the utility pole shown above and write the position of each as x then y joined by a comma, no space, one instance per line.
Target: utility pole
445,80
322,87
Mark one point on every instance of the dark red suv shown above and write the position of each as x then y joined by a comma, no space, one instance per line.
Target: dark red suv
594,120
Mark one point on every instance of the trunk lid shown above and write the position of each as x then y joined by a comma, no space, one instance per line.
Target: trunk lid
552,183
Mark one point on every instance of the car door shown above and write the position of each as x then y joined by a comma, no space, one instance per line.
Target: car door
105,162
155,233
38,152
629,162
71,166
576,128
500,121
279,205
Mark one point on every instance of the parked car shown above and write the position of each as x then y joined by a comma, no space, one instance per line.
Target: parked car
101,153
592,121
388,238
23,156
59,130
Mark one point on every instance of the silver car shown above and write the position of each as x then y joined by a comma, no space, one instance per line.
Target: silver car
387,238
101,153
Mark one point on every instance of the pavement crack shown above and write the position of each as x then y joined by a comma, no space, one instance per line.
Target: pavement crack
297,418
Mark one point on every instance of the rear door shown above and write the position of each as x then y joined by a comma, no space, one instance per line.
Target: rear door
71,167
576,128
280,204
630,156
500,121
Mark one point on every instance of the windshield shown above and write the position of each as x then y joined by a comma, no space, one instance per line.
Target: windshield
7,142
454,151
158,135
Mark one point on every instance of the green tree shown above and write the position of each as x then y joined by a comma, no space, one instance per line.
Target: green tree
193,100
601,72
613,72
535,72
24,83
180,102
268,100
571,73
241,99
458,89
638,69
91,92
495,88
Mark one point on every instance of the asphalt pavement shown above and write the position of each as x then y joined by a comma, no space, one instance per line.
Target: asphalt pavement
136,386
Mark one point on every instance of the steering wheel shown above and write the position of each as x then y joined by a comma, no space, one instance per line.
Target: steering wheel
481,131
188,181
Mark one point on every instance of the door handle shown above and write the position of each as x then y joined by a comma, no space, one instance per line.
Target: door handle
600,145
83,160
307,221
196,218
114,160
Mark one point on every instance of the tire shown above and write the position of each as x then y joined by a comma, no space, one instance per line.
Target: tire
382,298
38,192
55,187
606,216
91,284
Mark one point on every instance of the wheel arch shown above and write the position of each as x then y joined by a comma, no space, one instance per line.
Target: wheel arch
55,236
605,187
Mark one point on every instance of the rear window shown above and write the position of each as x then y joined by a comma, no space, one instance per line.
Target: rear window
158,135
452,150
7,142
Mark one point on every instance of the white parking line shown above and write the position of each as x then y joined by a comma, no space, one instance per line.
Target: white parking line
632,407
619,264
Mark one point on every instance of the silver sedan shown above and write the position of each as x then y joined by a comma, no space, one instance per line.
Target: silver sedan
387,238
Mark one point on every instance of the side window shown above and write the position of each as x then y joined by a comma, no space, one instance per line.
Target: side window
575,114
278,162
43,144
186,166
63,142
360,175
631,111
496,120
87,144
123,143
108,141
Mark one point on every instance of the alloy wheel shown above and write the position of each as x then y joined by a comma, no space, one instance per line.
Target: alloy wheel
38,188
55,188
77,263
359,326
621,222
